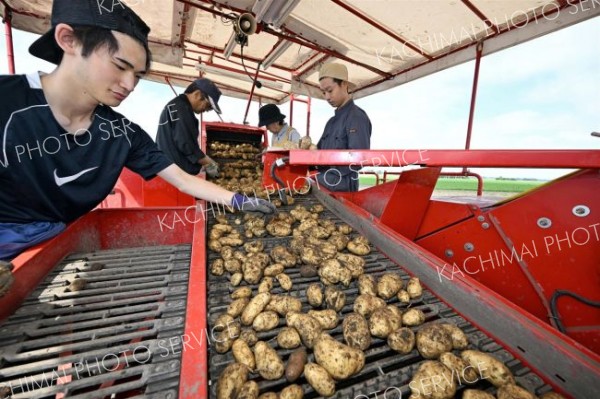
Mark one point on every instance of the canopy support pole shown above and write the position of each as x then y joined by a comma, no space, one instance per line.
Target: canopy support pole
10,54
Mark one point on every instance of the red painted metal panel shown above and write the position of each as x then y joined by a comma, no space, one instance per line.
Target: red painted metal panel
193,380
99,229
157,192
456,158
527,248
399,204
441,214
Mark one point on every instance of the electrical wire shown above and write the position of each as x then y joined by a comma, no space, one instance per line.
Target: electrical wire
257,82
554,310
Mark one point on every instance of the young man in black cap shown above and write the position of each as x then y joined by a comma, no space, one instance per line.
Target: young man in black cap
178,131
63,146
349,128
284,136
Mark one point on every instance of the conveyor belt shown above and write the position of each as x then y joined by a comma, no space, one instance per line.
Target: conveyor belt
117,335
386,371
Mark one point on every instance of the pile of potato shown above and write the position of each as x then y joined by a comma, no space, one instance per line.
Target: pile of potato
233,151
317,247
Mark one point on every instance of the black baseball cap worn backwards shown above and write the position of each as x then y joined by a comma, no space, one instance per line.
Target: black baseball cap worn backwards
112,14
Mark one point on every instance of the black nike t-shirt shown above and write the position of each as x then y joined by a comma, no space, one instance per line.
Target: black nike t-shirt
48,174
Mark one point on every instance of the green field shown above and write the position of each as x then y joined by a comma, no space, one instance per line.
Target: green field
470,184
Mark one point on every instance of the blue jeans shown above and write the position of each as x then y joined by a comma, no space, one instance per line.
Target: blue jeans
16,237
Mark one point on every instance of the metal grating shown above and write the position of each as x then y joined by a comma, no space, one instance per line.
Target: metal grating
386,372
104,324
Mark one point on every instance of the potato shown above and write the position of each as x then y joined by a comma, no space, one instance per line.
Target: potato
388,285
402,340
476,394
358,248
268,363
380,323
233,265
413,317
269,395
396,319
253,272
316,208
333,272
314,295
356,331
308,271
249,335
279,229
281,254
339,240
288,338
308,327
366,304
254,307
433,380
250,390
344,229
354,263
236,307
284,304
226,252
335,298
222,322
274,269
459,338
488,367
243,354
254,246
292,392
215,245
231,240
217,267
327,318
465,374
414,288
366,285
231,380
223,340
242,292
319,379
311,255
266,285
511,391
284,281
403,297
341,361
295,366
239,255
236,279
265,321
433,340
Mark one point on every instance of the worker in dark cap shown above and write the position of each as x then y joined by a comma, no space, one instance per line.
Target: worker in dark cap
284,136
178,127
63,146
348,129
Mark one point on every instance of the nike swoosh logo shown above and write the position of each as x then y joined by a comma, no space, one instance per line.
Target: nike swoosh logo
64,180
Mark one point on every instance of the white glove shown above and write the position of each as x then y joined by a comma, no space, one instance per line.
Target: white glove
212,169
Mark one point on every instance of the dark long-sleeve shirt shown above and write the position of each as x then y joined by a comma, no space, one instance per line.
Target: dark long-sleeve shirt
349,128
177,135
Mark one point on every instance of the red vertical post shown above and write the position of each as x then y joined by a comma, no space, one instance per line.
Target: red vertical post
292,110
308,116
10,54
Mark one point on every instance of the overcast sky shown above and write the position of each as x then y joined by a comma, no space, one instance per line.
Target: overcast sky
543,94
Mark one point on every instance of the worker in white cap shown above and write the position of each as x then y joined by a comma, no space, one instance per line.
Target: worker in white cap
349,128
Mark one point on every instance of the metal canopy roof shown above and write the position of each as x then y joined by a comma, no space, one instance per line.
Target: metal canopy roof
384,43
